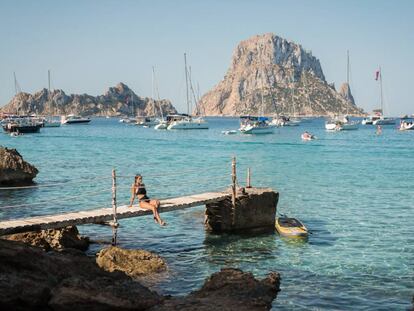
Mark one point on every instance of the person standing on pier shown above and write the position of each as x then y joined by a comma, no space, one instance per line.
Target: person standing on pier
138,190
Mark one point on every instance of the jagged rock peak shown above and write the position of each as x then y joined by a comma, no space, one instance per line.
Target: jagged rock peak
288,78
345,92
270,49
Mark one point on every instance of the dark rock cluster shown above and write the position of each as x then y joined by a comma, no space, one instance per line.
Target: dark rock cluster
15,171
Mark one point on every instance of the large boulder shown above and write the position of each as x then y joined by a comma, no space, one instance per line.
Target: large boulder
134,263
32,279
57,239
229,290
14,171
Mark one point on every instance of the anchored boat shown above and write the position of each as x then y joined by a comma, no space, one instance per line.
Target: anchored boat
72,119
290,227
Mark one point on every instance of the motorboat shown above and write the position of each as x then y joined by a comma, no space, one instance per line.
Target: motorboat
384,121
285,121
306,136
369,120
186,122
290,227
406,124
72,119
50,122
146,121
333,125
255,125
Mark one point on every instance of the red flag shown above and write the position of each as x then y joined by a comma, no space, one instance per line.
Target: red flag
377,73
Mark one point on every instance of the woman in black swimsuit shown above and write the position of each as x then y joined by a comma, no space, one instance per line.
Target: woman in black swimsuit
138,190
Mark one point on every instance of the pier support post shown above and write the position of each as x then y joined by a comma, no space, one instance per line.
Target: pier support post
248,181
254,211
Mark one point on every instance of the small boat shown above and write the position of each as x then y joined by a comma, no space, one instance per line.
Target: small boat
307,136
146,121
162,125
255,125
333,125
186,122
229,132
384,121
290,227
406,125
72,119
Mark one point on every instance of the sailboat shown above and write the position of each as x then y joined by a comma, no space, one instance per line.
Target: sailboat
343,123
256,124
162,123
186,121
49,121
382,120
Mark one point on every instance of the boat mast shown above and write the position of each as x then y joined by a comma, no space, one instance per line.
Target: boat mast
158,92
48,79
382,99
186,83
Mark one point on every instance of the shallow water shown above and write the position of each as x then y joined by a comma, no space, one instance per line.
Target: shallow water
354,190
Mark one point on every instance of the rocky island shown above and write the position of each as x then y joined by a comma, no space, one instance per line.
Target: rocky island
117,101
290,78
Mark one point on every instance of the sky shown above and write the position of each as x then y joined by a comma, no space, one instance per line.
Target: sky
90,45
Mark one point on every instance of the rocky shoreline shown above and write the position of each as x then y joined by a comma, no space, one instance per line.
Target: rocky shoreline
56,275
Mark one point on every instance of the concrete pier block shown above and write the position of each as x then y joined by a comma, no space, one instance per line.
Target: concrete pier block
255,211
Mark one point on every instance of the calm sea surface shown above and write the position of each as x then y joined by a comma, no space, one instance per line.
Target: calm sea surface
354,190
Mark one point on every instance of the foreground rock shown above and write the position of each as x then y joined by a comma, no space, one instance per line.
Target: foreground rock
118,100
290,78
34,279
57,239
134,263
228,290
14,171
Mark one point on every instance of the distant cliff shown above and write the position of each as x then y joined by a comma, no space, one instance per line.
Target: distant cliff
117,101
290,79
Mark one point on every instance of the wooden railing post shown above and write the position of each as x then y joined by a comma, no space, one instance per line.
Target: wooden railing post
248,181
114,223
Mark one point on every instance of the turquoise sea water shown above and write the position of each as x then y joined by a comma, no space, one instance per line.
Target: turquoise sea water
354,190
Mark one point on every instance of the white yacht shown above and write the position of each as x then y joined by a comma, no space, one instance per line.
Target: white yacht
72,119
186,122
146,121
384,121
255,125
333,125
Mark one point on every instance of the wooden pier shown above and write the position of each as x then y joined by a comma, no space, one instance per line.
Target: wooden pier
105,214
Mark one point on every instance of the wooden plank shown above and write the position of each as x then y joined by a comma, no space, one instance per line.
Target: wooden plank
104,214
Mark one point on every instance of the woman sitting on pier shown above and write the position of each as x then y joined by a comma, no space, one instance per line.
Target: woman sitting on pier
138,190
